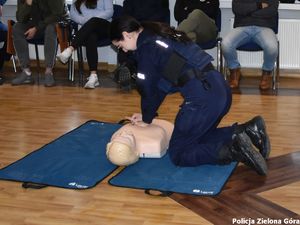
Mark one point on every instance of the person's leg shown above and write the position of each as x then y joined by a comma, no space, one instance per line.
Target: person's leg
196,139
3,34
266,38
94,25
235,38
4,56
22,51
21,44
98,30
50,47
199,24
92,58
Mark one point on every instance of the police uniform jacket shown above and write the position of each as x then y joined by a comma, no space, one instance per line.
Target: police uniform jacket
152,54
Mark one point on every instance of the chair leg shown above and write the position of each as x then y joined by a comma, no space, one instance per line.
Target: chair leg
276,72
71,68
80,65
14,63
37,63
219,57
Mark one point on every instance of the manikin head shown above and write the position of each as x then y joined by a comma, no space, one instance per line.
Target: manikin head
121,150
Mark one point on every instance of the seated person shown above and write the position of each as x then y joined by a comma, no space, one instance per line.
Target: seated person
197,19
94,16
37,19
254,21
134,141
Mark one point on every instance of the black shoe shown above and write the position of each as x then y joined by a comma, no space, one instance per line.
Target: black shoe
1,80
256,130
243,151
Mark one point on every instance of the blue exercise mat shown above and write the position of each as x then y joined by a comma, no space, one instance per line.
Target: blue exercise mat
162,175
76,160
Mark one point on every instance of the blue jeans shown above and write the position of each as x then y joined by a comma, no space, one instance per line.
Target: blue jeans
263,36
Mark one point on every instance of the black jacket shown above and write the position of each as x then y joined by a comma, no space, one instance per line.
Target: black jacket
148,10
184,7
249,13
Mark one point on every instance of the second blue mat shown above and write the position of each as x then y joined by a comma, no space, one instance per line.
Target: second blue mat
162,175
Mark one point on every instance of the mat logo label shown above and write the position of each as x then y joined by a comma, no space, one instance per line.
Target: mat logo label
74,184
198,191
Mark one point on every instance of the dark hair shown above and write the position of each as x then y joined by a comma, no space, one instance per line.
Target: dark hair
90,4
129,24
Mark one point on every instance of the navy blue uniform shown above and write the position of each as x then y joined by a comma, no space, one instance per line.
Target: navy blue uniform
196,139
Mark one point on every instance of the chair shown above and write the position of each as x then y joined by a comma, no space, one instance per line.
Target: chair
118,10
216,43
253,47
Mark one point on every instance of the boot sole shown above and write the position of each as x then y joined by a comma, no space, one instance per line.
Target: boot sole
254,158
265,152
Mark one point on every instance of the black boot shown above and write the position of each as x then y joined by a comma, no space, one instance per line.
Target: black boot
256,130
242,150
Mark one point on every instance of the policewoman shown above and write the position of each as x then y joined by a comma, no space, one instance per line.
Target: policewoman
168,62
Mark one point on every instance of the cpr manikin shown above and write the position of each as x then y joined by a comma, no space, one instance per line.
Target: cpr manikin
134,141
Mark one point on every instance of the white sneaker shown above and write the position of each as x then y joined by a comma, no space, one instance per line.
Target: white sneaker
92,82
65,55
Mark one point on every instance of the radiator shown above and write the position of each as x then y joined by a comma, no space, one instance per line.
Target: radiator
289,39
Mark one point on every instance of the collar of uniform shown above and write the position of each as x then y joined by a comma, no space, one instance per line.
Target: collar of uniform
144,37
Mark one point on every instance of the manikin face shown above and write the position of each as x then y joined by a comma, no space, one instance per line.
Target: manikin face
128,43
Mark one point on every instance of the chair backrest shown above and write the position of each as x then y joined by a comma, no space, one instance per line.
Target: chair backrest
118,11
218,20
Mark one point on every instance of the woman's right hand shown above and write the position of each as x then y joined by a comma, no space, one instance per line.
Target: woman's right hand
135,118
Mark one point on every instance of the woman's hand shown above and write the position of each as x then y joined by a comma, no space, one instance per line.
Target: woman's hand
135,118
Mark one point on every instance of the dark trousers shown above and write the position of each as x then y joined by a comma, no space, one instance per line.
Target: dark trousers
22,48
90,33
196,138
4,56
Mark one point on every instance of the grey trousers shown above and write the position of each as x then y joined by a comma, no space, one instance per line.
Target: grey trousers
199,27
21,44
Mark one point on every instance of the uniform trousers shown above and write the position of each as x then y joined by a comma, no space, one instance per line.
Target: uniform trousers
196,138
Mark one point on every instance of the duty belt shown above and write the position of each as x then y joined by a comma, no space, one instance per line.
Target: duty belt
196,73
